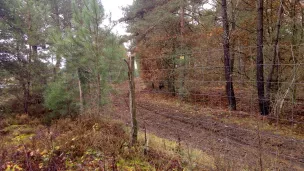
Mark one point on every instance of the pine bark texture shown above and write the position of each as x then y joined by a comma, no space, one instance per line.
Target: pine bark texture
263,102
227,59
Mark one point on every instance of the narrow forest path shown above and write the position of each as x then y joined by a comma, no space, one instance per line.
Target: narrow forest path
230,142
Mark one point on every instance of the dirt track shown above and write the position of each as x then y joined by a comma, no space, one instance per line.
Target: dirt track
236,145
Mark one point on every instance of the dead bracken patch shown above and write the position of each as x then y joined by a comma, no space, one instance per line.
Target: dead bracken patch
86,143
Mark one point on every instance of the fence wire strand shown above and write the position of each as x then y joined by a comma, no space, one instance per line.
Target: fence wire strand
203,77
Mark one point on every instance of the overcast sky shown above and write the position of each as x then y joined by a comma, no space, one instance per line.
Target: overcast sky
114,7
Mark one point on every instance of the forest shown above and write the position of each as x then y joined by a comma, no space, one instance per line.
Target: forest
192,85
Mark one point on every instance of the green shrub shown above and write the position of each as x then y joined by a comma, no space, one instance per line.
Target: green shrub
61,98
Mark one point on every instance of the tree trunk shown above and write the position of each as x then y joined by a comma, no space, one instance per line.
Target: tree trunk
294,26
227,59
171,77
98,91
263,102
134,129
28,81
80,94
25,98
182,30
302,23
171,87
273,75
233,39
57,24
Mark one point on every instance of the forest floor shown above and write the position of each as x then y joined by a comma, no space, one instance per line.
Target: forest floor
237,139
86,143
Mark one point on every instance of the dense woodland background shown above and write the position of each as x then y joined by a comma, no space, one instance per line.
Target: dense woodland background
242,43
58,56
58,59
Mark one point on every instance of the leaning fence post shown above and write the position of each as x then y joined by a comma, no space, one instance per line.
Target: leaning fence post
132,106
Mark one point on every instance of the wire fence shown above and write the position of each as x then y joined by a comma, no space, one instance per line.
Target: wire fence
182,96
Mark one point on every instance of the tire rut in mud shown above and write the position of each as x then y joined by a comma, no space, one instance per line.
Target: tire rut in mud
290,149
215,137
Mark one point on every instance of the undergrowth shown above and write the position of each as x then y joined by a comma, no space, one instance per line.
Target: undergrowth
87,143
94,143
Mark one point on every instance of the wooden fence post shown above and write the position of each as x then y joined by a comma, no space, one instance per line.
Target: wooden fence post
134,127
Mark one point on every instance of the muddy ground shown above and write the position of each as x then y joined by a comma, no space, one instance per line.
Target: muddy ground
238,146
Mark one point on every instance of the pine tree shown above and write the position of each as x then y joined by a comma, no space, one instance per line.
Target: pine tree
227,58
263,103
92,56
23,39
